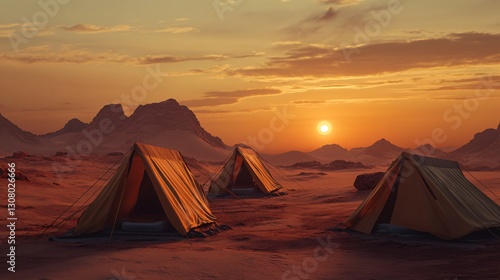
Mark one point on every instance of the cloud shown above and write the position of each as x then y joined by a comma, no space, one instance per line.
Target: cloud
216,98
338,2
90,28
67,53
66,106
287,44
322,61
176,30
458,98
328,15
9,30
311,24
153,59
477,83
309,101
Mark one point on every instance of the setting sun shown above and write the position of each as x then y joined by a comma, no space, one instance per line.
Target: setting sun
324,127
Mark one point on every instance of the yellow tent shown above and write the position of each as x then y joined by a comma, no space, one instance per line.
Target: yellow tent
427,195
244,171
153,184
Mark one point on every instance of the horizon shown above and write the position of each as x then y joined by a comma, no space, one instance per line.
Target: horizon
349,72
444,148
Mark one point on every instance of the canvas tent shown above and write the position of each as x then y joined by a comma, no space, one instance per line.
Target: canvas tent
152,185
243,172
428,195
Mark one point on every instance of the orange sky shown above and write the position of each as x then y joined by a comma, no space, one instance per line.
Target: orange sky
408,71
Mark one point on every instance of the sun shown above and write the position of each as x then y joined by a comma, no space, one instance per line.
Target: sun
324,127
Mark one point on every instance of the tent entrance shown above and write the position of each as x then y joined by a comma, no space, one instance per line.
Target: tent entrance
140,207
147,213
243,183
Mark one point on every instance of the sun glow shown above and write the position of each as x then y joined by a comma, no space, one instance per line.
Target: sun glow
324,127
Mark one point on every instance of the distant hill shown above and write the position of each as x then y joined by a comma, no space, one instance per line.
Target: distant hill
429,150
288,158
73,125
482,151
14,139
332,151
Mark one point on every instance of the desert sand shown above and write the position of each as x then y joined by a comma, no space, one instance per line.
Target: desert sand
270,237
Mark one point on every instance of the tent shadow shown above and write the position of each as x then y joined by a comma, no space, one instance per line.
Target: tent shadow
387,234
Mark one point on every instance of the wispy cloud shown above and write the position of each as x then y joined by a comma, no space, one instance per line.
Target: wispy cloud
176,30
339,2
480,82
320,61
15,29
67,53
312,23
216,98
309,102
90,28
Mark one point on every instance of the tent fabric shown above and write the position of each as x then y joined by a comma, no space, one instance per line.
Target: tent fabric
243,158
182,199
428,195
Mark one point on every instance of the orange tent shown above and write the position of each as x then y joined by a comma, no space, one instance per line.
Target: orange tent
153,184
428,195
244,170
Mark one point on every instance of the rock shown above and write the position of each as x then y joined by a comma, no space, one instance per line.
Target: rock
342,164
368,181
61,154
115,154
4,173
332,166
20,154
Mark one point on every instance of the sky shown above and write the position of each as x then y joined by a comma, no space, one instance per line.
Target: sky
412,72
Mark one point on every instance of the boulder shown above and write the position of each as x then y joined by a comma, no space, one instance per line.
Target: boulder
115,154
20,154
368,181
4,173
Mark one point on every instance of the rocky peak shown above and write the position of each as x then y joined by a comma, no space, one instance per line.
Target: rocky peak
113,112
73,125
170,115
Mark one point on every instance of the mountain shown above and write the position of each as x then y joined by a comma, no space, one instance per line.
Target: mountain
170,115
73,125
331,152
112,113
289,158
15,139
479,142
429,150
482,151
167,124
382,148
382,152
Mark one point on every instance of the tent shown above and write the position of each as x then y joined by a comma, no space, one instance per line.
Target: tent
152,185
244,172
428,195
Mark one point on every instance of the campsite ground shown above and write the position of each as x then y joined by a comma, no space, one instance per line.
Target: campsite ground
285,237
